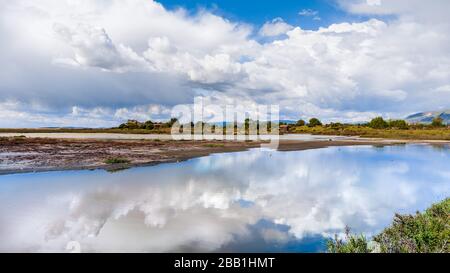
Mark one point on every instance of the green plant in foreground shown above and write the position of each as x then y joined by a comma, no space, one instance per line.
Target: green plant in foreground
427,232
117,160
352,244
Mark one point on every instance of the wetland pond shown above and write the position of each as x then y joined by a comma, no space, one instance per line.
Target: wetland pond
259,200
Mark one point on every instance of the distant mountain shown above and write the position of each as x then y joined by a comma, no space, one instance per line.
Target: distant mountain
427,117
288,121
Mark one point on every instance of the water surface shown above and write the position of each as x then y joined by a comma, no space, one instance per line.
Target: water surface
258,200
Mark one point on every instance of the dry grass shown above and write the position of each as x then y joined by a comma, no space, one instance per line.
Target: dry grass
425,133
354,130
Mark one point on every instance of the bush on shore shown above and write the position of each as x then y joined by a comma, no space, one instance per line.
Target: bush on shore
117,160
427,232
300,122
351,244
314,122
378,123
398,124
437,122
147,125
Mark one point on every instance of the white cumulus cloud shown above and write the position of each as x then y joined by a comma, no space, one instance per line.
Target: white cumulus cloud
275,27
135,54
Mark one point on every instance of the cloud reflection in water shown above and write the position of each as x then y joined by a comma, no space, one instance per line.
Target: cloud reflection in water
258,200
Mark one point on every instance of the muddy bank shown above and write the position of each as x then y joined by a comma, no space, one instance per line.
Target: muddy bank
20,154
44,154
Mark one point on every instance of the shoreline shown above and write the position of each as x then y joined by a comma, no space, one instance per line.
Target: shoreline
30,155
412,132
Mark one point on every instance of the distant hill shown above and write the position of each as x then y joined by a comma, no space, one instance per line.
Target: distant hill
288,121
427,117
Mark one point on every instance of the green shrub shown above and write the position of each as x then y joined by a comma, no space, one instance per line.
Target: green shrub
378,123
149,125
117,160
314,122
437,122
336,125
398,124
427,232
300,122
352,244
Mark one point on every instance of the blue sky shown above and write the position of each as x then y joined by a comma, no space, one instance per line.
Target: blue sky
259,12
98,63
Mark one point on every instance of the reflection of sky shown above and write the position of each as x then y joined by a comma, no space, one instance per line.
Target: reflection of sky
258,200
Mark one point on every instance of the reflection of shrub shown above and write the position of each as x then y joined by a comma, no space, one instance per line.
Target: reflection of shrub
117,160
427,232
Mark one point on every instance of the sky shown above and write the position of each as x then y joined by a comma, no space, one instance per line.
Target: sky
97,63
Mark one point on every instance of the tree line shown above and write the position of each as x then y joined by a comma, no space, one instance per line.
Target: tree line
376,123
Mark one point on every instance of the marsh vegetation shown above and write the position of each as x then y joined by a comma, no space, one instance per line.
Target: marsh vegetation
376,128
427,232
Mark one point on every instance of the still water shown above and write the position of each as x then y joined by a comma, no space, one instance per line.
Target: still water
258,200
